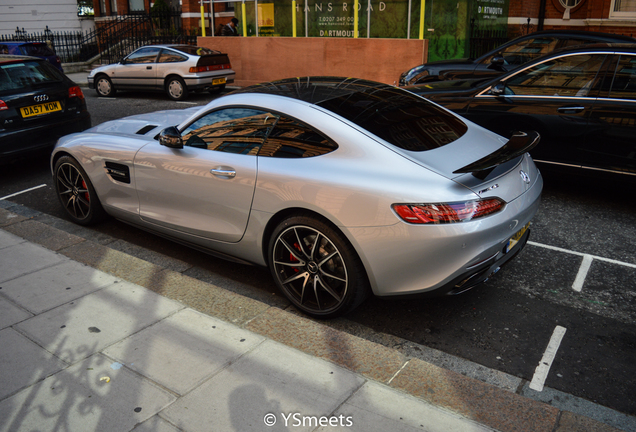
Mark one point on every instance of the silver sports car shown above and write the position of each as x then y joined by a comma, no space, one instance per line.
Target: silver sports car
342,187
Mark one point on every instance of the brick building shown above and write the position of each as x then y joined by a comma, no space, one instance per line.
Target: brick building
609,16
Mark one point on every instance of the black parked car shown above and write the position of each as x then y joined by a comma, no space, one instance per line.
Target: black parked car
582,101
507,57
38,105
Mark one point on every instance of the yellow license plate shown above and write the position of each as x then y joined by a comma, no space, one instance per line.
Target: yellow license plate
515,238
45,108
218,81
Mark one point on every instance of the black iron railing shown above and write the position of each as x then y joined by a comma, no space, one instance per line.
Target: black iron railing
113,40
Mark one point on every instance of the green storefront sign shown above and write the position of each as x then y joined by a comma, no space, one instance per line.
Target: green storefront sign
446,22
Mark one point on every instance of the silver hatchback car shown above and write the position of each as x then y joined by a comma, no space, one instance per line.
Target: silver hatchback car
175,69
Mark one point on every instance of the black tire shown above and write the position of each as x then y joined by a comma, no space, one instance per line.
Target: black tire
76,193
104,86
176,88
217,89
316,268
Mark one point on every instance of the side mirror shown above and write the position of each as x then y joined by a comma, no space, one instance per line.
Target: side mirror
497,62
499,89
171,137
122,60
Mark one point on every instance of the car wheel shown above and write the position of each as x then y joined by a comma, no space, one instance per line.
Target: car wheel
176,88
104,86
316,268
76,193
217,89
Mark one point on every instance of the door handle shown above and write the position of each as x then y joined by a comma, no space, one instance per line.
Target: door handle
148,67
223,172
570,109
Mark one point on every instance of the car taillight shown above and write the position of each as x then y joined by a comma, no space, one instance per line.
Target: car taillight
448,212
3,106
198,69
75,92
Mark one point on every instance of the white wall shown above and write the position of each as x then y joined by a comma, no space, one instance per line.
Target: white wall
35,15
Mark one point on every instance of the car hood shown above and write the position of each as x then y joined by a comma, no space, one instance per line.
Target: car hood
145,124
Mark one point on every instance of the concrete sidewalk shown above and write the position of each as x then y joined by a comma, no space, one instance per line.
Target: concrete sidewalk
93,339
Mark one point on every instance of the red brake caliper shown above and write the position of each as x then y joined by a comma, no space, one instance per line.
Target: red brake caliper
292,258
86,193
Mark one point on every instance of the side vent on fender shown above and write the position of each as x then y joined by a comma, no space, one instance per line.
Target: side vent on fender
118,172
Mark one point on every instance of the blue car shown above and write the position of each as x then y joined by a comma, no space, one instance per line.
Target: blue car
33,49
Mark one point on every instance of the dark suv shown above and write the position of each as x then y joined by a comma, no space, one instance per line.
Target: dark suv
507,57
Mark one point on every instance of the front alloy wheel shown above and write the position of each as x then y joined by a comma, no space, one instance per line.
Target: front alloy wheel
76,193
316,269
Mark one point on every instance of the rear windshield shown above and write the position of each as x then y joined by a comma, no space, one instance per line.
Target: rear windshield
195,50
22,76
398,117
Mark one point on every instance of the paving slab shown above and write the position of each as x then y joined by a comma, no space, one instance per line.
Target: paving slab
8,239
85,326
155,424
271,379
23,363
183,350
81,398
11,314
24,258
376,407
54,286
9,218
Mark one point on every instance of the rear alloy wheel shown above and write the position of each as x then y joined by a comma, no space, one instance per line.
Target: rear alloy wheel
76,193
316,268
104,86
176,88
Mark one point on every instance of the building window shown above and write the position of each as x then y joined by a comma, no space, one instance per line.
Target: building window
102,7
623,9
113,7
136,6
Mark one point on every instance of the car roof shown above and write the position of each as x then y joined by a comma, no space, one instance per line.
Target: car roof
315,90
582,33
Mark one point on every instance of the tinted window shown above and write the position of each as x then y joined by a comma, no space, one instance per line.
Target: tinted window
232,130
143,55
398,117
38,50
291,138
526,50
26,75
624,83
169,56
568,76
195,50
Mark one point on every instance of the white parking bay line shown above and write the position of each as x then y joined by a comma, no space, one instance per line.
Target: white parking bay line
541,372
582,274
600,258
21,192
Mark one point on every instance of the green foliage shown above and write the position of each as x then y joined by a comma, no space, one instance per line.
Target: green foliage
85,8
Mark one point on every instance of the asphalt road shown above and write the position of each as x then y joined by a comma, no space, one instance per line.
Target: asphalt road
576,276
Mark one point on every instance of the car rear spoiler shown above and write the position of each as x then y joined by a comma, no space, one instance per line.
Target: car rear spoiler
518,144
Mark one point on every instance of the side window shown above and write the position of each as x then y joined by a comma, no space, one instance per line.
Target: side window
143,55
624,83
230,130
293,139
525,51
169,56
568,76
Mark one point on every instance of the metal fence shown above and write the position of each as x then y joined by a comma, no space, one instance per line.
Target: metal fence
113,40
483,40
